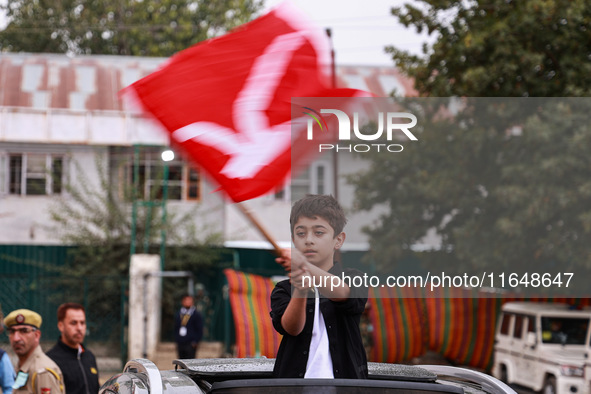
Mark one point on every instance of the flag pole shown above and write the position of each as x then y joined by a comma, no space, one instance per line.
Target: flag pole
246,212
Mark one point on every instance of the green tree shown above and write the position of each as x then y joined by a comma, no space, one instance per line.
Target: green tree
97,219
500,48
504,182
122,27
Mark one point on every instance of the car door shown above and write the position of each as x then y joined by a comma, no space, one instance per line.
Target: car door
503,348
529,365
517,346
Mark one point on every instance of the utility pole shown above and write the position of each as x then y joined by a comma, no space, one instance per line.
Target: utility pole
335,161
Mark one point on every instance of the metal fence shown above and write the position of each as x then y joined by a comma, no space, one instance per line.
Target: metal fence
36,278
103,297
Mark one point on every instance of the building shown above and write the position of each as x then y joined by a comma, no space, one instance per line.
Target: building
61,120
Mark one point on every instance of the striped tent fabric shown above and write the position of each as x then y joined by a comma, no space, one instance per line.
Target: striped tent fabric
458,324
398,319
463,324
462,327
250,300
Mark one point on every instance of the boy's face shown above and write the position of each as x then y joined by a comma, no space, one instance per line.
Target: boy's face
315,239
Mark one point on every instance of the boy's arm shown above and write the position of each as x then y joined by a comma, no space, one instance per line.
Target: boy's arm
288,308
294,317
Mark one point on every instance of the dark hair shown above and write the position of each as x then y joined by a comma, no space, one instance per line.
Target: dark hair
63,309
319,205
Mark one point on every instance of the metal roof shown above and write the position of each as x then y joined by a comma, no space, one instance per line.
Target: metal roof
55,81
547,308
42,81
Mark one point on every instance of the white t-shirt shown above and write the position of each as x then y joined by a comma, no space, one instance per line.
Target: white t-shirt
319,360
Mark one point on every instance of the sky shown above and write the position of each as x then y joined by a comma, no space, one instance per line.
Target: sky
360,28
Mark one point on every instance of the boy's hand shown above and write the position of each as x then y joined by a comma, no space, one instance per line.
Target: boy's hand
298,261
291,261
296,278
285,259
296,264
300,269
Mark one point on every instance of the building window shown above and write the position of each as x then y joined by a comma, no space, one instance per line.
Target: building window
315,179
15,170
35,174
184,181
193,184
57,168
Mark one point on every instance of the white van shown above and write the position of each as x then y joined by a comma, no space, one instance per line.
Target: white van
544,346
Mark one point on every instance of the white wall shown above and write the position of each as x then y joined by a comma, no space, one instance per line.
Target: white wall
27,219
144,306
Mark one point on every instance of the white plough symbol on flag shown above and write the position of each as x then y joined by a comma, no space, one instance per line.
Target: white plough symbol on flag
248,146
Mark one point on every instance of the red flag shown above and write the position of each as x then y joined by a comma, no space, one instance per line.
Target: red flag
226,101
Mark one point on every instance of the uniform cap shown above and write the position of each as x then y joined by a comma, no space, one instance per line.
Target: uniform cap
23,316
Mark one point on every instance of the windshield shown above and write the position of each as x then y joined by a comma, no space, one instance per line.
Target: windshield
565,331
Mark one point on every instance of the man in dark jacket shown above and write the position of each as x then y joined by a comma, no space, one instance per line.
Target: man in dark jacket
188,328
76,362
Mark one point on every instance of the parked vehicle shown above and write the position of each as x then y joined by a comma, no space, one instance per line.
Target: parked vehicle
227,375
544,346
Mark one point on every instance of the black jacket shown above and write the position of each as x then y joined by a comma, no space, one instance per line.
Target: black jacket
194,327
80,371
342,325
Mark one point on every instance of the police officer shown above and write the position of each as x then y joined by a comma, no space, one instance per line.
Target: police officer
37,373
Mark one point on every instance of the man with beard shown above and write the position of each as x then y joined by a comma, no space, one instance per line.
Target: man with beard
77,362
37,373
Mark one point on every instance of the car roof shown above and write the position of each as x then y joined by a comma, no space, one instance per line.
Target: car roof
332,386
555,308
225,368
202,375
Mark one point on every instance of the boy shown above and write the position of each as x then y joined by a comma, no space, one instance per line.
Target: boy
320,326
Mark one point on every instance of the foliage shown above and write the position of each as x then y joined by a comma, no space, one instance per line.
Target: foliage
98,221
505,182
499,48
122,27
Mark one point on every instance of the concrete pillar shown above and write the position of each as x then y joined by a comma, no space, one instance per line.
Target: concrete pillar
144,305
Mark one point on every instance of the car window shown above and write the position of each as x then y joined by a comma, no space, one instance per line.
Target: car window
531,324
518,327
562,330
505,323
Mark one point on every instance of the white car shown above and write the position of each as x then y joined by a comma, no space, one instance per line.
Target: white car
544,347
